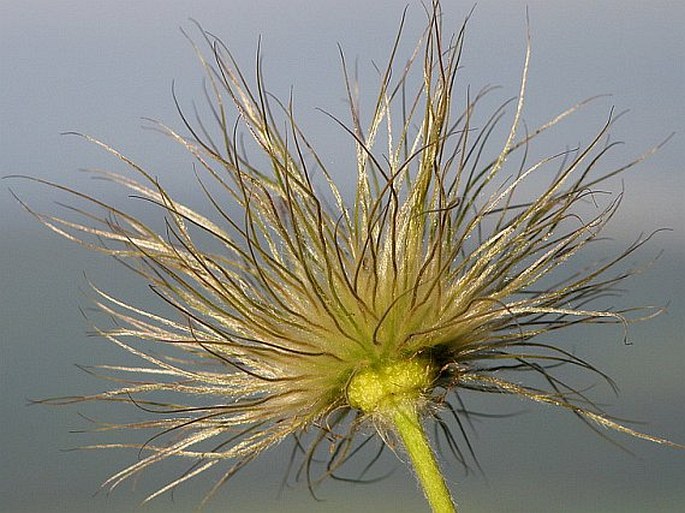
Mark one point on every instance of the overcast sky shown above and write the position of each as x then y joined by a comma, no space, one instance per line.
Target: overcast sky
100,67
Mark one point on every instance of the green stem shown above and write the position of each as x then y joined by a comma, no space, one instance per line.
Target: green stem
392,390
411,432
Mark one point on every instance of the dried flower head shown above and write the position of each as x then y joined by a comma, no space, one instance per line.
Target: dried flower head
316,315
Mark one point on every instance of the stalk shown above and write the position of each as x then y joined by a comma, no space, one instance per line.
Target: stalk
410,430
391,391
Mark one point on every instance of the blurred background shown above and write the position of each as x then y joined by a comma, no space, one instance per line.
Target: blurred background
99,67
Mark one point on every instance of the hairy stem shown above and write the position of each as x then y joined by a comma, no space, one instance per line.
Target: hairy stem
410,430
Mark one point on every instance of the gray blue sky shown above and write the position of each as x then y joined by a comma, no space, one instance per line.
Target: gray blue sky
99,67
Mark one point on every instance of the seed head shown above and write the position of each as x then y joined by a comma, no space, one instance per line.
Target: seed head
314,311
